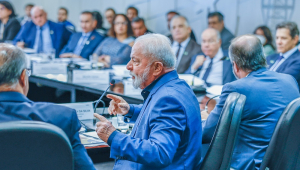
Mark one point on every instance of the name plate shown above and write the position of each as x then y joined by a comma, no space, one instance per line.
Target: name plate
91,76
84,110
49,68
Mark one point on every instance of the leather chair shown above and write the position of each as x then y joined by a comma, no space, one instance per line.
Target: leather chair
283,151
221,147
33,145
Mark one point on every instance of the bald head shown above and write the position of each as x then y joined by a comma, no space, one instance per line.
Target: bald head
39,16
247,53
211,42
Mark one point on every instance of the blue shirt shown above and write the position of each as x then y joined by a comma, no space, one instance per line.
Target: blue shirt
47,41
82,41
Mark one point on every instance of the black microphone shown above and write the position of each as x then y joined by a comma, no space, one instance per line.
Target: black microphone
205,108
112,82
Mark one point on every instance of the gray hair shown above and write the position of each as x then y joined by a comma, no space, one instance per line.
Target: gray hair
36,8
247,52
12,63
186,23
290,26
157,47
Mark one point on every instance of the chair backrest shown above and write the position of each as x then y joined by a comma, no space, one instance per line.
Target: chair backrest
221,147
283,151
33,145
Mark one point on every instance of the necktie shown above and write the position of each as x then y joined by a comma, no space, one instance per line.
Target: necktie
40,43
178,51
275,66
208,69
80,45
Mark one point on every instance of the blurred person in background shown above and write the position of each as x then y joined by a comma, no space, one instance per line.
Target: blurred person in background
116,48
138,26
110,15
132,12
99,27
27,16
63,18
265,36
9,25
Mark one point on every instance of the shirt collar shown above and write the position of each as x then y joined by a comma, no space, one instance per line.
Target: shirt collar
183,44
44,26
11,96
145,93
87,34
287,54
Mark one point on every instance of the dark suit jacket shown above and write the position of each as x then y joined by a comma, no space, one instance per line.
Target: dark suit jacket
191,49
59,35
226,37
167,131
192,36
11,29
94,40
290,66
228,75
15,106
267,93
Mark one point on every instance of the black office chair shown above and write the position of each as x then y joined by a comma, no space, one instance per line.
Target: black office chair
284,148
32,145
221,147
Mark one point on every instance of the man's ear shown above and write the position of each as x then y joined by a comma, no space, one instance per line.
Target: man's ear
235,67
158,68
22,79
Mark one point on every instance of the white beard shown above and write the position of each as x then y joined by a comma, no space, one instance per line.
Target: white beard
138,80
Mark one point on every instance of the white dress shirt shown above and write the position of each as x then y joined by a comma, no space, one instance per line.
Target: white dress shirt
215,76
175,47
285,55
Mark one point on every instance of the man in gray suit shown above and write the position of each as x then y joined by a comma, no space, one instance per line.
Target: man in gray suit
216,21
183,46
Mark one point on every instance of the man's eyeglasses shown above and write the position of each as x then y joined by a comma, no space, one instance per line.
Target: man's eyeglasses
28,72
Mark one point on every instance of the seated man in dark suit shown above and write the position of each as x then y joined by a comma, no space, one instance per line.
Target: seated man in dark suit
214,66
267,93
82,45
288,59
170,15
63,19
216,21
41,34
138,27
183,46
14,105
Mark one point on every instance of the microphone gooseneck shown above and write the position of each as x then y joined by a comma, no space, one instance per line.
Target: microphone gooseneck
112,82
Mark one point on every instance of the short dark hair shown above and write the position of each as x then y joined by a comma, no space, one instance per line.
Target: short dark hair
248,54
8,6
112,32
173,12
29,5
98,17
88,12
134,8
291,26
218,14
65,9
138,19
110,9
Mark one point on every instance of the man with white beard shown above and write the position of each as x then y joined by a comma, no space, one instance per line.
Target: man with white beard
167,131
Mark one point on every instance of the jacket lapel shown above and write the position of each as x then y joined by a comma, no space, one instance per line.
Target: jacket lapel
51,30
184,59
283,65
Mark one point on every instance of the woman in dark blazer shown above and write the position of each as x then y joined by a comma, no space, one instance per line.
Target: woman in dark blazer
9,25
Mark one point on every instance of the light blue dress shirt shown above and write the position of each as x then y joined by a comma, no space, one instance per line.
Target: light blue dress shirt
82,41
47,41
285,55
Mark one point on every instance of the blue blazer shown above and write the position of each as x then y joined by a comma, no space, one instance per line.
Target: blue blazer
94,40
267,94
167,131
59,35
15,106
290,66
228,75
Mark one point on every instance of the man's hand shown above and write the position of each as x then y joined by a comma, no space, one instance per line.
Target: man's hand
21,44
198,62
104,128
204,115
117,105
69,55
105,59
